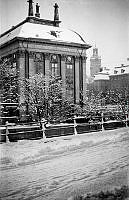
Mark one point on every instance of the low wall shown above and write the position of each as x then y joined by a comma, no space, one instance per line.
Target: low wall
34,131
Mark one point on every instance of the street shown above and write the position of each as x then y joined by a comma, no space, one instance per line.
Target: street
59,168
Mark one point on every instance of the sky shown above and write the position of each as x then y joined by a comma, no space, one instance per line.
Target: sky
104,23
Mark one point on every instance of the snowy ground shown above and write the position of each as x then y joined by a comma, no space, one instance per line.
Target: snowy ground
58,168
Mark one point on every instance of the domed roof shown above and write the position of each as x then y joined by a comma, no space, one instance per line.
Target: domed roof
40,31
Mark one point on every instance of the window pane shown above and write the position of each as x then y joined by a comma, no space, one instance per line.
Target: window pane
69,80
54,69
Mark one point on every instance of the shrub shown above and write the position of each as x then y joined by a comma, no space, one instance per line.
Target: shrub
117,194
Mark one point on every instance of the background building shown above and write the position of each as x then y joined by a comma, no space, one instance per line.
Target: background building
95,63
119,79
115,79
101,81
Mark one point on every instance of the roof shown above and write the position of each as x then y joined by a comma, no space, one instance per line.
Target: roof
40,31
120,70
101,76
117,71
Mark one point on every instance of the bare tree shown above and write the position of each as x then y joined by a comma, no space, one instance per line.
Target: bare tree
9,96
8,82
43,97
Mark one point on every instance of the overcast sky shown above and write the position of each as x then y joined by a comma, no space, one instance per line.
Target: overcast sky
101,22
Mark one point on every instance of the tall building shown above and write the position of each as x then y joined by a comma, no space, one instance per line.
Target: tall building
95,63
39,45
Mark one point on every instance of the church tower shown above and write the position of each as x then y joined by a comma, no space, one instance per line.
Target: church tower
95,63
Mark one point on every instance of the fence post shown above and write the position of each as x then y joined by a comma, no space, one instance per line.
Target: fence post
75,125
126,121
102,122
43,122
7,132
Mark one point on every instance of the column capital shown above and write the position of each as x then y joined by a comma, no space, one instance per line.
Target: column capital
21,53
31,54
77,58
84,58
47,56
63,57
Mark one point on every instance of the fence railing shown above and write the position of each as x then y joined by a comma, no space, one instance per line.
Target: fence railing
13,132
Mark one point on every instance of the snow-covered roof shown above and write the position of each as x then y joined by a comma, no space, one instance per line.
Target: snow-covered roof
40,31
120,70
101,76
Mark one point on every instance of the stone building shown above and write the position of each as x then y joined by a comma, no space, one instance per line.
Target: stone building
113,79
101,81
119,78
39,45
95,63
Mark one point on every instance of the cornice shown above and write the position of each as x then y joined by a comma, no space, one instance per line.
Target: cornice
47,41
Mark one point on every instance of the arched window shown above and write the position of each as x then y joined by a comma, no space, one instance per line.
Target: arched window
39,63
70,76
55,65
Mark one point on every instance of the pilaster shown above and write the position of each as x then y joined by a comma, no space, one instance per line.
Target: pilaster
47,63
21,67
21,63
63,72
31,64
84,77
47,67
77,78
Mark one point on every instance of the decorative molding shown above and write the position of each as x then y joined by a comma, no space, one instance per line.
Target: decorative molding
38,56
69,59
20,53
84,58
54,58
31,54
63,57
77,58
47,56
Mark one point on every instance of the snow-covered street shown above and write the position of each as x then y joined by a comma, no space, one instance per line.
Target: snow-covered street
59,168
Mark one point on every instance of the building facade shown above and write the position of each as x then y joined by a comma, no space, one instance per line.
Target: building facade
115,79
119,78
40,46
95,63
101,81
